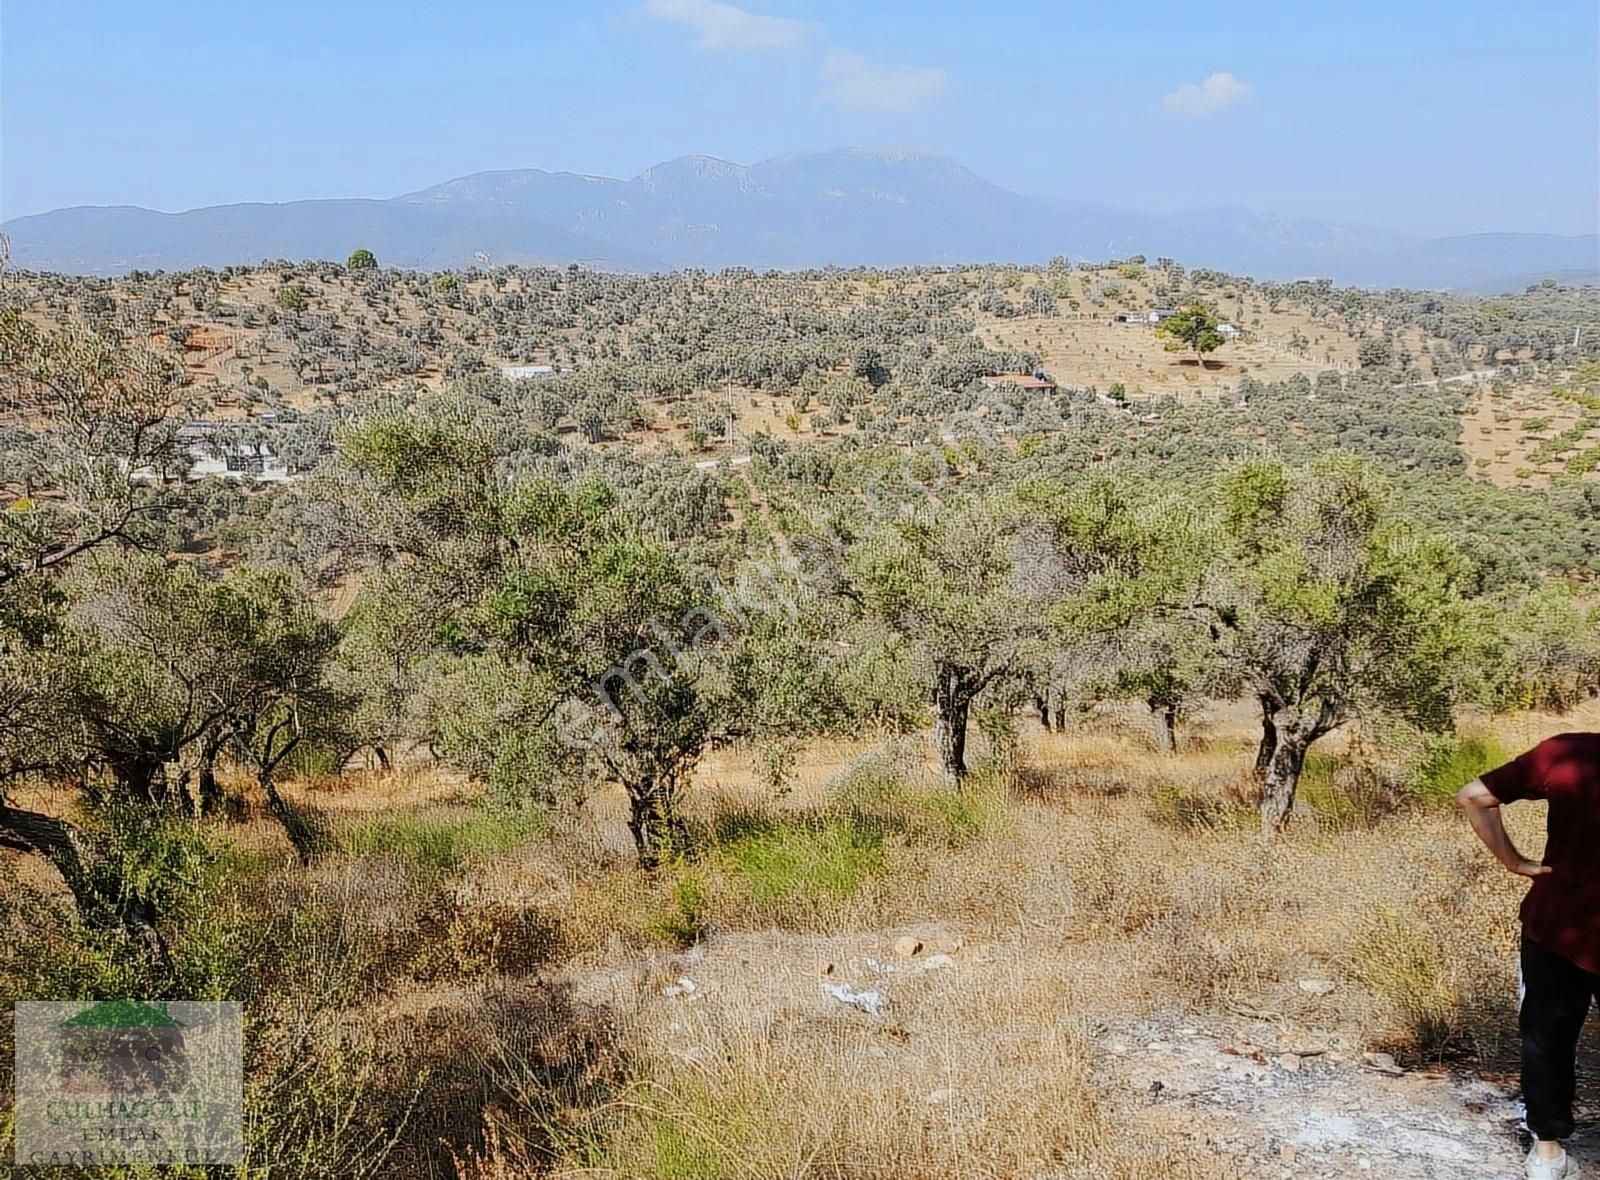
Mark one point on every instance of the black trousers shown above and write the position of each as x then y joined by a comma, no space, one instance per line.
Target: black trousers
1555,1001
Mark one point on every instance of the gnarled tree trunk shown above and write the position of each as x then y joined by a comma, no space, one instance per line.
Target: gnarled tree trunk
102,899
1281,780
1041,703
302,827
1292,731
1269,738
953,690
658,834
211,799
1165,716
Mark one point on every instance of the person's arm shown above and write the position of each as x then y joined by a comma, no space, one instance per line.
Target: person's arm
1483,813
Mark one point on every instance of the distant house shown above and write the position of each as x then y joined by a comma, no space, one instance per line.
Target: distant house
1037,380
1227,331
1130,318
220,449
528,372
1158,314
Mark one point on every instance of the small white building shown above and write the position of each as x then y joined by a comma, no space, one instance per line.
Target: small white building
218,450
253,461
528,372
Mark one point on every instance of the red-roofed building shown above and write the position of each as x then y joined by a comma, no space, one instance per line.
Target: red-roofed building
1039,380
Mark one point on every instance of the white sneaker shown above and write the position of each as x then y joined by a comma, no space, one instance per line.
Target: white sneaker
1540,1168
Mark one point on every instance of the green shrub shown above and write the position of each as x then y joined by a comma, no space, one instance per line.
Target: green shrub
686,918
442,843
930,816
292,297
1323,790
1449,763
1182,807
807,861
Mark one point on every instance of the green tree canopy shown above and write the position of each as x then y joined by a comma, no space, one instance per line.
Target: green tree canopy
581,649
1194,327
1333,607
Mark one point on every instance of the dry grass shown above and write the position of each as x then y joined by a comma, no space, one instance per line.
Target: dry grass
510,988
1078,903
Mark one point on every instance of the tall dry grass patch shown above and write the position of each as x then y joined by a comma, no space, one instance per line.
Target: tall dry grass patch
454,990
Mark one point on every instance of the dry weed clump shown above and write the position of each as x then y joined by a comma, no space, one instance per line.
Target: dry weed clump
973,1085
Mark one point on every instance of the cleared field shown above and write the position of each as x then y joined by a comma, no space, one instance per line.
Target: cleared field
1533,435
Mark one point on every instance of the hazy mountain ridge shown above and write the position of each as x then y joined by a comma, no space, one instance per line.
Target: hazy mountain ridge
844,207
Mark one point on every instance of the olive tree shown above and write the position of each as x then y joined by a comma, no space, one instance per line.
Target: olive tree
945,579
280,701
585,650
985,586
127,690
86,443
1332,607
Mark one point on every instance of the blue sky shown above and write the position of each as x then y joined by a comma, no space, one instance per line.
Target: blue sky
1427,117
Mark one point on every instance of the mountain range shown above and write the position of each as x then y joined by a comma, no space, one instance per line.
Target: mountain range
846,207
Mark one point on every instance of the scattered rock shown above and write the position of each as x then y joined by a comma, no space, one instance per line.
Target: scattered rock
1317,987
940,1096
906,946
1382,1062
946,944
684,987
1288,1061
933,962
1286,1154
868,1000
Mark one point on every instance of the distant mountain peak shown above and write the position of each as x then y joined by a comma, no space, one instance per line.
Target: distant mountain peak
850,206
692,168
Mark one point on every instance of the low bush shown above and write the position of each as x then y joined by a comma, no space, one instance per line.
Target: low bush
932,816
809,863
443,841
1449,763
1399,957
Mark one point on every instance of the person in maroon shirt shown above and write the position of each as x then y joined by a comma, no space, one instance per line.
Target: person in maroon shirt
1560,923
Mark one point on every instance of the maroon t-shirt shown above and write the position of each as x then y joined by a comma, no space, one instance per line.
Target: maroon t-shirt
1562,911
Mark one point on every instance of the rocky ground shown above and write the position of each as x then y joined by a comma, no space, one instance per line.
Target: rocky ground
1270,1097
1307,1106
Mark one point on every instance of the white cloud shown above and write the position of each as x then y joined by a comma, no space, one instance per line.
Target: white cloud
849,80
1196,99
724,26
